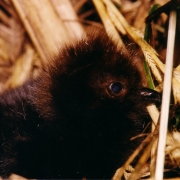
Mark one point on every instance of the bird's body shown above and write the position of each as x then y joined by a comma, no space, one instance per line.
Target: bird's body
76,119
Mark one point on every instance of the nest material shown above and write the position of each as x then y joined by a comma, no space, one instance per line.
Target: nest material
31,32
28,38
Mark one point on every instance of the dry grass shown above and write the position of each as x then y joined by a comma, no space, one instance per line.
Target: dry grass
31,31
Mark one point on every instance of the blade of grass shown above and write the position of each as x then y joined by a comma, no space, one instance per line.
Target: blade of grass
100,7
166,95
147,37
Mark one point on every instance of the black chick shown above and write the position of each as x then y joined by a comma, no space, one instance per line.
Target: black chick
76,119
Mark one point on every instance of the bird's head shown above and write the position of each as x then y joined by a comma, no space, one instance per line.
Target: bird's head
94,74
94,78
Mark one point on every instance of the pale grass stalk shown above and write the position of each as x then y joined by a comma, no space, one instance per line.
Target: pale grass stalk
22,68
116,22
43,25
66,11
154,114
166,97
110,29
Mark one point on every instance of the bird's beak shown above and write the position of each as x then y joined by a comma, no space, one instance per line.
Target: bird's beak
150,96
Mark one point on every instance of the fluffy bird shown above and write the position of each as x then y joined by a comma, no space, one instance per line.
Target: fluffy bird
76,119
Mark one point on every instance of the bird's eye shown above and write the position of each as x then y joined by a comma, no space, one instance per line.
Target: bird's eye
116,87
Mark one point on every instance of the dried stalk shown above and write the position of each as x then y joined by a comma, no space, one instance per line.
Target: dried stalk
43,25
69,17
166,97
106,21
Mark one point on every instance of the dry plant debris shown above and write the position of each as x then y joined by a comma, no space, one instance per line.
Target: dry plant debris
28,39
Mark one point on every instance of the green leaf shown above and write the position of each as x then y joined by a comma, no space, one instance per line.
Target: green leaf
147,37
